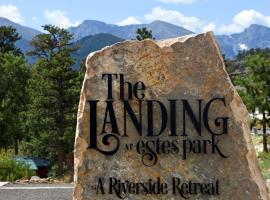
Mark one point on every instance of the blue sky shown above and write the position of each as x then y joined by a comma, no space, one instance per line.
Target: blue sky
221,16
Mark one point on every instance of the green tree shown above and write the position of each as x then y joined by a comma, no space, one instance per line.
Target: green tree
143,33
255,90
13,80
14,73
8,38
54,94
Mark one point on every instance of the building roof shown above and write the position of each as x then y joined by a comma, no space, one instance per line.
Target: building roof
34,163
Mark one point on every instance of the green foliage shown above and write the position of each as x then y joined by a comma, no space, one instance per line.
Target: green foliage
143,33
54,93
11,170
242,55
264,161
263,157
8,37
238,65
14,73
54,170
256,84
13,79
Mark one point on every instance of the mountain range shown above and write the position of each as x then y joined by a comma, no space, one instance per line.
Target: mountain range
255,36
160,29
92,35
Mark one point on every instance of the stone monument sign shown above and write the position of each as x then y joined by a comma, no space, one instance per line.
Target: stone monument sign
162,120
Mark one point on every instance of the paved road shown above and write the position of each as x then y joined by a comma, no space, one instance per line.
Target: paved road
36,192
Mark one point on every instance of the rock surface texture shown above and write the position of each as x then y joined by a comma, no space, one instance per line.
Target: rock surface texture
188,68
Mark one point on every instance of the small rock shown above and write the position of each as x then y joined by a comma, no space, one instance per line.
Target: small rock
34,178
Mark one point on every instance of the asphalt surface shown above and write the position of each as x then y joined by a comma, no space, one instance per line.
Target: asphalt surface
36,192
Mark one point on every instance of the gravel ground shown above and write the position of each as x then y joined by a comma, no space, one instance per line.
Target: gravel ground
36,192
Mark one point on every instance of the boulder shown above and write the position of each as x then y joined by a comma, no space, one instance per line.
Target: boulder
162,120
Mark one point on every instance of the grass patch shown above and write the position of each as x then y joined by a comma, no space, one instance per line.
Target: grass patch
264,162
11,170
263,157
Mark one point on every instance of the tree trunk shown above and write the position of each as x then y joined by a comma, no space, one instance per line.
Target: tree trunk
265,149
60,159
16,146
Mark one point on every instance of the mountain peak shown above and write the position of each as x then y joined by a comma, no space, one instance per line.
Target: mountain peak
158,21
252,26
161,22
90,21
256,28
255,36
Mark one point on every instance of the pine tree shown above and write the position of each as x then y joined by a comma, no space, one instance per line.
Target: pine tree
13,80
255,90
143,33
54,94
14,73
8,37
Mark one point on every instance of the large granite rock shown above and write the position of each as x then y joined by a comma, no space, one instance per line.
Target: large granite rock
205,151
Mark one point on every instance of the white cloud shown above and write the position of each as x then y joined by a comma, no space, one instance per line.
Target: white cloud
59,18
128,21
240,21
243,46
11,12
175,17
177,1
209,27
243,20
248,17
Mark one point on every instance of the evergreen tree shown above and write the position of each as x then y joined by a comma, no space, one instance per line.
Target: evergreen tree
13,79
255,90
8,38
54,95
143,33
14,73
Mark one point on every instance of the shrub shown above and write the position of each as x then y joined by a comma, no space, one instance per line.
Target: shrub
11,170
